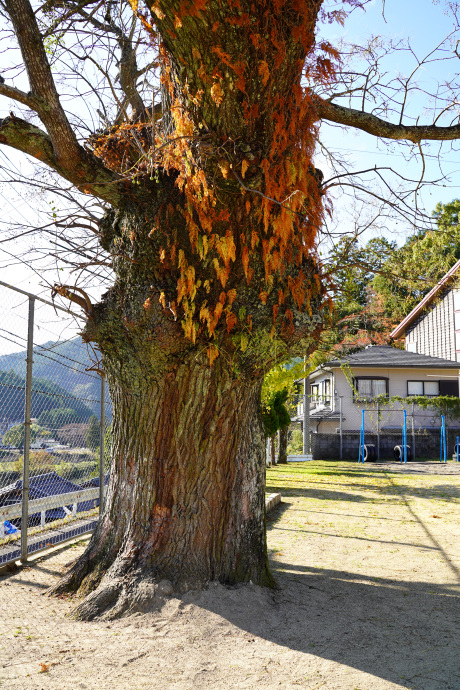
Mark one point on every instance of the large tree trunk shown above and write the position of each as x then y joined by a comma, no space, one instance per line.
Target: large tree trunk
186,498
216,281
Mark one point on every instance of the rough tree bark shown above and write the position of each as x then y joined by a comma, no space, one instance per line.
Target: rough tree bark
186,497
213,251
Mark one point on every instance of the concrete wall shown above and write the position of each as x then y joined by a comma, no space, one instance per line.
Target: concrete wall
427,444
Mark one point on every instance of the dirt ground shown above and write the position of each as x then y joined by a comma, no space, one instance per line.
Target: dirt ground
368,565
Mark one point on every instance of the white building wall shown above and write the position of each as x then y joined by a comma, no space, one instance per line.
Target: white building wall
433,332
389,418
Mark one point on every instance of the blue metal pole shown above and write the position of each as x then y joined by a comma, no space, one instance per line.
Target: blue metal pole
457,448
443,453
402,444
361,439
445,442
405,437
440,450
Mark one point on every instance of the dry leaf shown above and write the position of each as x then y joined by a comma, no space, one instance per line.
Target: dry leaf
217,94
264,71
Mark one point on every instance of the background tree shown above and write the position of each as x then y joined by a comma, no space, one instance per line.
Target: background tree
278,403
15,435
54,419
93,433
212,209
413,269
276,418
378,283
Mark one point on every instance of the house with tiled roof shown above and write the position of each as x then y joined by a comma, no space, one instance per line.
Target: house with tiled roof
429,366
355,381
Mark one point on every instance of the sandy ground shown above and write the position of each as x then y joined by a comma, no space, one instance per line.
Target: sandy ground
368,566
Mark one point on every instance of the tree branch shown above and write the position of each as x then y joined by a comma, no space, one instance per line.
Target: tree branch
83,302
25,137
43,90
380,128
88,175
59,148
18,95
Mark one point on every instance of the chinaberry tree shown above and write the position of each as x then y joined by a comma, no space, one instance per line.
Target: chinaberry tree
203,162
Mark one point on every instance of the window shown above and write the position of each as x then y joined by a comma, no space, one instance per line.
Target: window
370,388
314,393
430,388
415,388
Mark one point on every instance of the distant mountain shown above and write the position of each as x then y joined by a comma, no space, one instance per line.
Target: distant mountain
46,395
64,364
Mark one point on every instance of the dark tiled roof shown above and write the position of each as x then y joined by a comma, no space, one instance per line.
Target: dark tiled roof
384,356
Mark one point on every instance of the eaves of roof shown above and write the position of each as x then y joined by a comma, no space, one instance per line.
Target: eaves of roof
400,330
385,357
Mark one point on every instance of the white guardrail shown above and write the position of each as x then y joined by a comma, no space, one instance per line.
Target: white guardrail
41,505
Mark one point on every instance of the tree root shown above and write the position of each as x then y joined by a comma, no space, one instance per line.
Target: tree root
121,596
84,575
110,588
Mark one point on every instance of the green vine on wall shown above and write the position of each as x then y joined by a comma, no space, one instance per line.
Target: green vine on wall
448,405
442,404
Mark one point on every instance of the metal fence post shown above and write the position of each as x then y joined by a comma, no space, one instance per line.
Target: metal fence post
306,414
101,447
378,430
340,427
27,423
413,433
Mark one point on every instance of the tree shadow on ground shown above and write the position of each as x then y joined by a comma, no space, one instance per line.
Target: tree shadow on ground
361,491
320,494
403,632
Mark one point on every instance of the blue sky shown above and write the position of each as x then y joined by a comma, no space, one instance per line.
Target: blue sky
425,24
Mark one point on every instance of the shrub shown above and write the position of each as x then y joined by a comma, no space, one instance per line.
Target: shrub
84,470
295,446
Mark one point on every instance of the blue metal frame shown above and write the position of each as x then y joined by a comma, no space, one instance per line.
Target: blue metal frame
443,450
404,439
361,439
457,448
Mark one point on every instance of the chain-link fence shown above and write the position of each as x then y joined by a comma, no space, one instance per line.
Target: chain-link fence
55,427
336,424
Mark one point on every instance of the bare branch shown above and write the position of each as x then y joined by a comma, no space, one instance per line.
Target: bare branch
381,128
88,174
19,96
66,291
23,136
65,144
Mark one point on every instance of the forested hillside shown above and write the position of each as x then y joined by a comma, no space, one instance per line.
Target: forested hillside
46,395
65,365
